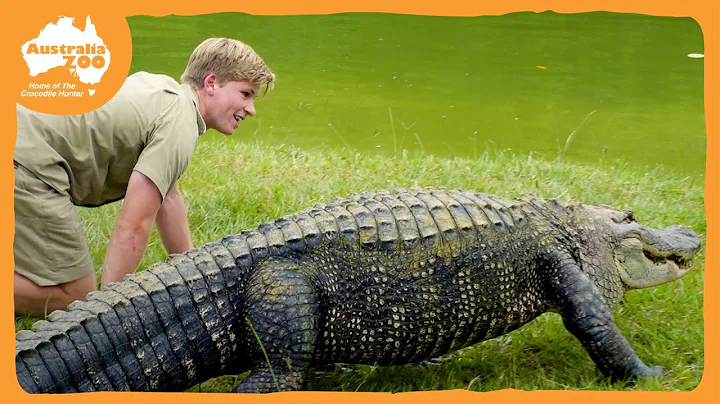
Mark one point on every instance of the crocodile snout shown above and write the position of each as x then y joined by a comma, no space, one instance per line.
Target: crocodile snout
682,239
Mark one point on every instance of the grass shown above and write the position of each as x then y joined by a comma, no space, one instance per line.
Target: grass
233,185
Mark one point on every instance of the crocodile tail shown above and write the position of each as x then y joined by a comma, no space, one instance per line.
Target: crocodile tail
163,329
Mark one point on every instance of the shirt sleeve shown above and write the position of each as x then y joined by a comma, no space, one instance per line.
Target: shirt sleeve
171,143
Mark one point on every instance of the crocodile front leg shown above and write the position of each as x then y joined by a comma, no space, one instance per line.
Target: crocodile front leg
282,316
589,319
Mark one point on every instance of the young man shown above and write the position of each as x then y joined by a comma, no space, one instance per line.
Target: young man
134,148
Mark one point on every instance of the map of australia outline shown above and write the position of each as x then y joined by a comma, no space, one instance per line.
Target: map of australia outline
62,44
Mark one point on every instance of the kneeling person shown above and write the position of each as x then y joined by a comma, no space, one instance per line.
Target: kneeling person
133,148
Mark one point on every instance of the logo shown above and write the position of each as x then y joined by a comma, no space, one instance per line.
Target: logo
69,63
82,53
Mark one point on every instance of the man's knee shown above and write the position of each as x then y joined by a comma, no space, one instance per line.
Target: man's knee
79,288
36,300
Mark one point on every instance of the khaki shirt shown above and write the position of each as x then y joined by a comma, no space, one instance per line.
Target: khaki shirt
151,125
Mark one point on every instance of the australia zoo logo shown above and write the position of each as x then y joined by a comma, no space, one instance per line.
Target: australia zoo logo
66,61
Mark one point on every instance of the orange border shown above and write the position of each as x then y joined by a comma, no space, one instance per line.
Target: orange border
20,14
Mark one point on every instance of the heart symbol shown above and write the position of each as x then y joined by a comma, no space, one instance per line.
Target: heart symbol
91,91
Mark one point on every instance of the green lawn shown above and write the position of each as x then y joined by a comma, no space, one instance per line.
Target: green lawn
231,187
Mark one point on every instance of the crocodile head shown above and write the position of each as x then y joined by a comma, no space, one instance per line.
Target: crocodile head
641,256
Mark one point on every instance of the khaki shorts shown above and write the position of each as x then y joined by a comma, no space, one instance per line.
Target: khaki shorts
50,246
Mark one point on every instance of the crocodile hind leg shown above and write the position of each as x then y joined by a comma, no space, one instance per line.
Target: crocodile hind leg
282,311
589,319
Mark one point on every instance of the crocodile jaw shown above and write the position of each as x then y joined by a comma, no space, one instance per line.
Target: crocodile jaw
643,263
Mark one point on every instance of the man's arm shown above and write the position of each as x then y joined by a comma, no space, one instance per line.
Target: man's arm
131,233
172,223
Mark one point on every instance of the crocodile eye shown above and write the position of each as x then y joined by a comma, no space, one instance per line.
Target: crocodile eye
626,216
629,216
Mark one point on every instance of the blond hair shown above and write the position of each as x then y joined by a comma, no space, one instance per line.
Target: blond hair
230,60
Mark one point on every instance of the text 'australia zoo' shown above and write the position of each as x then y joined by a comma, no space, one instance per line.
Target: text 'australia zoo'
70,52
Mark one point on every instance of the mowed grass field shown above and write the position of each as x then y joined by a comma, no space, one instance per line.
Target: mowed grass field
279,162
231,187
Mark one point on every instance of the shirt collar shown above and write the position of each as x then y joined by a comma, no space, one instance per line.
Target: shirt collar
202,128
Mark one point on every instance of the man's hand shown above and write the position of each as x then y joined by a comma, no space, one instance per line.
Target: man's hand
132,229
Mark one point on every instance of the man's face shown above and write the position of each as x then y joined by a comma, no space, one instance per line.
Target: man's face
229,104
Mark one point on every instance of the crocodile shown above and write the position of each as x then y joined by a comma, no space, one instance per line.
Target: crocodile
379,278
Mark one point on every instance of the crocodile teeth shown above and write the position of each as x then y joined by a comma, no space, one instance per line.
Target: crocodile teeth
679,261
